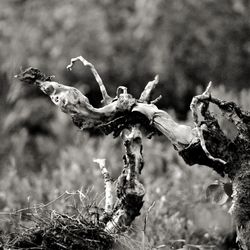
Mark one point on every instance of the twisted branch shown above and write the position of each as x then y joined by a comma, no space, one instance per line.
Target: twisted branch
194,106
106,99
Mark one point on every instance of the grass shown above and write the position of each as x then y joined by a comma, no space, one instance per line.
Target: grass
44,228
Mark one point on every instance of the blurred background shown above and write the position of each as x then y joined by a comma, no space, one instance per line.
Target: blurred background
187,42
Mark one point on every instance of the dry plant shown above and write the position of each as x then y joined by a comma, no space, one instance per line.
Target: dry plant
205,144
49,229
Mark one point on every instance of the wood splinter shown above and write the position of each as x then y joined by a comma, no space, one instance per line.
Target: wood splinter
109,201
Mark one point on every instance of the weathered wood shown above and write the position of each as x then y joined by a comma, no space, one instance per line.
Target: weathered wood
204,144
106,99
226,157
130,191
115,116
241,205
111,118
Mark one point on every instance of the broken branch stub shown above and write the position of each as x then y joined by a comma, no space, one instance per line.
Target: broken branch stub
146,95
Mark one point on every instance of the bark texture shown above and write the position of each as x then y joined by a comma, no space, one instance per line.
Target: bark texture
130,191
241,206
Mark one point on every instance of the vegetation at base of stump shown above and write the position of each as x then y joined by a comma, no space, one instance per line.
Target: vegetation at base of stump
50,229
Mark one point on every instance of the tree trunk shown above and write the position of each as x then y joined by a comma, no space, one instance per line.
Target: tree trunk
130,191
241,205
206,144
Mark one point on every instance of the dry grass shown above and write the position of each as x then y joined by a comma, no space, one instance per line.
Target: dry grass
44,228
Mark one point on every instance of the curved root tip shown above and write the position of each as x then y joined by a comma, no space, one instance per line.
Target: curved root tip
106,98
73,60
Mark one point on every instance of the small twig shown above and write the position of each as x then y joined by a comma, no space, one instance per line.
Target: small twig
156,99
108,186
147,92
195,103
206,92
106,98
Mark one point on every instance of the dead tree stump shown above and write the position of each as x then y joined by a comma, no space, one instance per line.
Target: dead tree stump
205,144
